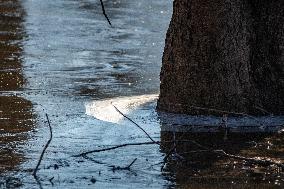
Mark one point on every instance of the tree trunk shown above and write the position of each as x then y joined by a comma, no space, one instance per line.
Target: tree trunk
224,54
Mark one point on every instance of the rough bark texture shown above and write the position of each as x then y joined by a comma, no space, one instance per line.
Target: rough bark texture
224,54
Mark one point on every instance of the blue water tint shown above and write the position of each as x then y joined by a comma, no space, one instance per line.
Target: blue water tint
72,57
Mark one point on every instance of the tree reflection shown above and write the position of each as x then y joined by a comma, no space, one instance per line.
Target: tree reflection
204,169
16,117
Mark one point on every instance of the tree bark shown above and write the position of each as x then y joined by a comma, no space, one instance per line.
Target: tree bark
226,55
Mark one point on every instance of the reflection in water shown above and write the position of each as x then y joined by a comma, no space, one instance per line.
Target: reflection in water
203,169
16,122
15,112
10,50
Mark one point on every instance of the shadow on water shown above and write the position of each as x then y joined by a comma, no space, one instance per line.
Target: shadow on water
16,117
203,169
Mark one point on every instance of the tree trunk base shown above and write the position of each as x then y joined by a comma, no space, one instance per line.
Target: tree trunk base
226,55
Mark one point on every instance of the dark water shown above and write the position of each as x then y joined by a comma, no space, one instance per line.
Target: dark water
16,117
62,58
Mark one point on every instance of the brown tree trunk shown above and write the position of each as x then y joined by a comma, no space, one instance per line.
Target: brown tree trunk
224,54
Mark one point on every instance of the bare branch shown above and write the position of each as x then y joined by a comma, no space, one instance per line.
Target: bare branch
115,147
131,163
123,168
45,147
135,124
263,162
104,12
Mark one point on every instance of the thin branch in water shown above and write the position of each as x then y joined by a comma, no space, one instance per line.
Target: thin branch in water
135,124
44,149
115,147
262,162
134,144
104,12
38,182
167,156
131,163
220,112
263,110
174,136
50,180
114,168
93,160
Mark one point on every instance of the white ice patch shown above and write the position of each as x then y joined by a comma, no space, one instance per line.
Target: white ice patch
105,111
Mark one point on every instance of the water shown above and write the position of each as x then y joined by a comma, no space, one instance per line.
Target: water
78,53
61,58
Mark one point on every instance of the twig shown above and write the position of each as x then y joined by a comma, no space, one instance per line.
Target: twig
263,110
104,12
211,109
113,166
135,144
44,149
115,147
263,162
174,136
93,160
135,124
38,182
50,180
131,163
220,112
123,168
169,152
167,156
227,112
174,148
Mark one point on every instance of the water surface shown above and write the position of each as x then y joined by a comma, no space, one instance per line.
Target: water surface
63,59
